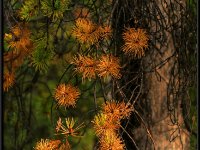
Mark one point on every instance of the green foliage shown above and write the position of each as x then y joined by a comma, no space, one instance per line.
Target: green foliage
193,5
41,56
29,9
82,143
54,9
6,47
193,117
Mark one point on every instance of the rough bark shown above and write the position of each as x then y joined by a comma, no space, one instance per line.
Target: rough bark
160,104
165,133
165,118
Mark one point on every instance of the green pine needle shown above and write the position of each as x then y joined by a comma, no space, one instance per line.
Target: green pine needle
55,10
28,9
41,57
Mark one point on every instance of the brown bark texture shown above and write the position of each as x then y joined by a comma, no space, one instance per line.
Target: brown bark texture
165,118
159,108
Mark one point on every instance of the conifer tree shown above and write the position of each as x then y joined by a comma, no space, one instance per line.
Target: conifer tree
119,73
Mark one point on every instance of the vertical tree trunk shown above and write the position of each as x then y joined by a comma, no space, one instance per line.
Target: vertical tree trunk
161,122
165,118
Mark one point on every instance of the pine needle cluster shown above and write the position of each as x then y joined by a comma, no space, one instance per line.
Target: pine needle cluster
89,33
136,40
29,9
21,41
118,110
107,124
86,66
8,80
54,9
66,95
107,65
41,58
42,55
47,144
111,141
69,129
20,46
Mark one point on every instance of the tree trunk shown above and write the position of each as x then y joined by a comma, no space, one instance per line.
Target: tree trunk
160,118
165,118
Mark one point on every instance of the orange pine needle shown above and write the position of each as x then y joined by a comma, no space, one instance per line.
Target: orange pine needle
66,95
136,40
8,80
109,66
21,39
118,110
104,123
111,141
86,66
86,31
47,144
69,129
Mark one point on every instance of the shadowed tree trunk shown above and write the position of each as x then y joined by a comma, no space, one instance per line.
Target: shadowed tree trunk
165,117
159,121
